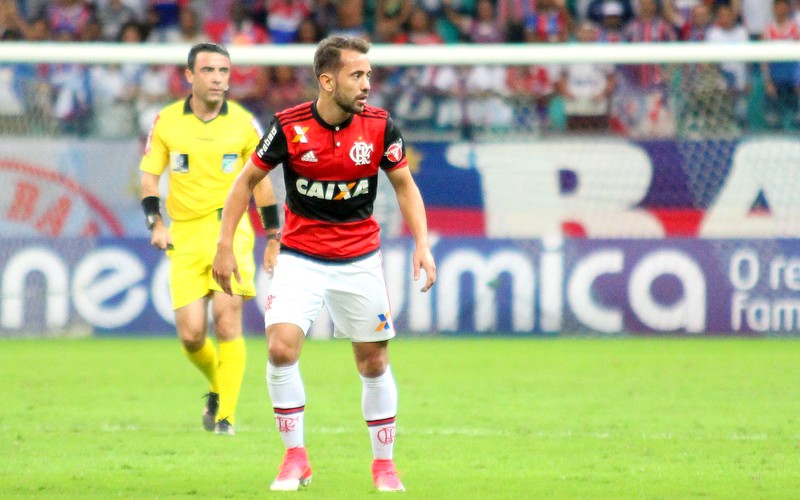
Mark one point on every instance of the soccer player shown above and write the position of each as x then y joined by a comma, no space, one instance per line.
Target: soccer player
202,143
331,150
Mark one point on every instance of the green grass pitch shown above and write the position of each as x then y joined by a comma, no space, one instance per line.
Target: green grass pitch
479,418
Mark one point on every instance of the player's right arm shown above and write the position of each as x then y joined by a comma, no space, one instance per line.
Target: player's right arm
235,206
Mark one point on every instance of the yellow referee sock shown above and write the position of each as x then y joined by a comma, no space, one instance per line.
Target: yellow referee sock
205,359
232,356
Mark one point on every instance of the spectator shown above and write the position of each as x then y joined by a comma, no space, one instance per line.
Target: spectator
308,32
551,22
514,15
189,30
248,84
284,87
114,89
38,30
284,18
67,17
586,89
612,22
473,97
414,104
680,12
597,9
349,19
17,85
484,27
780,84
70,92
9,20
92,31
237,29
734,74
159,85
756,15
166,12
391,17
113,92
532,90
324,15
642,106
112,16
696,26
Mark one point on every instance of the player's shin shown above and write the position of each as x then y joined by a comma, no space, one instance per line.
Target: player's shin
288,398
379,406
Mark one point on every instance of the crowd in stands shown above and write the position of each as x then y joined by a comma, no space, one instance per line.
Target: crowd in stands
636,100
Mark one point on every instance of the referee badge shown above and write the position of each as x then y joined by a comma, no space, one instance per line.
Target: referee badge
179,163
229,162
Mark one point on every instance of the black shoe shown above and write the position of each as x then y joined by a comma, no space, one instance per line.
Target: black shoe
210,411
224,428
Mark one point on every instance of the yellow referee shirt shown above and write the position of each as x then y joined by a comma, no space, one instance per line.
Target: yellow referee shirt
203,158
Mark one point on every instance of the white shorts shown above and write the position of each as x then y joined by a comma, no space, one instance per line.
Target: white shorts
354,293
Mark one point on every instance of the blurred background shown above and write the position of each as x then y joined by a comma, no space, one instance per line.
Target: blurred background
563,197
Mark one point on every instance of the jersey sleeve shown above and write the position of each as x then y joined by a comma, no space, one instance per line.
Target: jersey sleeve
254,134
156,154
272,149
394,154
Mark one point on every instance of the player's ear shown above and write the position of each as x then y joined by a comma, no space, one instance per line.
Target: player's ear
187,73
326,82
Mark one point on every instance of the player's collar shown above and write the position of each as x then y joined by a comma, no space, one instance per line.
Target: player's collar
187,106
325,124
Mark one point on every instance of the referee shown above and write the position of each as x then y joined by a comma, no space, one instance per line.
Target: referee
202,143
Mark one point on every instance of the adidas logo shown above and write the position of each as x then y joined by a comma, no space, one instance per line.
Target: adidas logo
309,157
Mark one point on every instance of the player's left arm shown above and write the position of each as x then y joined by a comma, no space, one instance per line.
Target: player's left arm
413,209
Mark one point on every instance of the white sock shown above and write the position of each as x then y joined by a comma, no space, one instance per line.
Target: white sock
288,402
379,406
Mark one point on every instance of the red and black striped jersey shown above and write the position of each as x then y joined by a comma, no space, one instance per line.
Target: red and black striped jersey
331,175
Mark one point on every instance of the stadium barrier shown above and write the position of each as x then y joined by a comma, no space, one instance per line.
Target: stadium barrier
485,286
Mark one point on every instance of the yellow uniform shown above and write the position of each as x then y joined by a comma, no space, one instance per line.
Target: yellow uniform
203,159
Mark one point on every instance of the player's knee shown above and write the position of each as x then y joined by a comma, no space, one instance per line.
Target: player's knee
282,353
373,366
192,344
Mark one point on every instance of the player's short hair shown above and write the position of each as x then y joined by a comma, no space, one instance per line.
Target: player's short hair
205,47
328,56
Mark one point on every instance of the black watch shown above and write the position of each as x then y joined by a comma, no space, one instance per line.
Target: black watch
274,236
151,220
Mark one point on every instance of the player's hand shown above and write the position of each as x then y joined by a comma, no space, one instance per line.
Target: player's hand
224,267
423,259
160,237
271,256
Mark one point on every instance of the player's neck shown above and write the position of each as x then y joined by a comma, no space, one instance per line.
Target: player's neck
330,112
205,110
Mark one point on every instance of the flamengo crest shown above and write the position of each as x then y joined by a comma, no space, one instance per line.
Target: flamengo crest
360,153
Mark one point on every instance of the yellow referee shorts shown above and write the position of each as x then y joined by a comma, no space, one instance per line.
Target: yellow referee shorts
195,244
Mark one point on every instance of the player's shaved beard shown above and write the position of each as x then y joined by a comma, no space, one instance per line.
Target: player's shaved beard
352,107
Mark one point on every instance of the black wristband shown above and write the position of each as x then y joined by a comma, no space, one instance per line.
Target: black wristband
269,217
152,210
